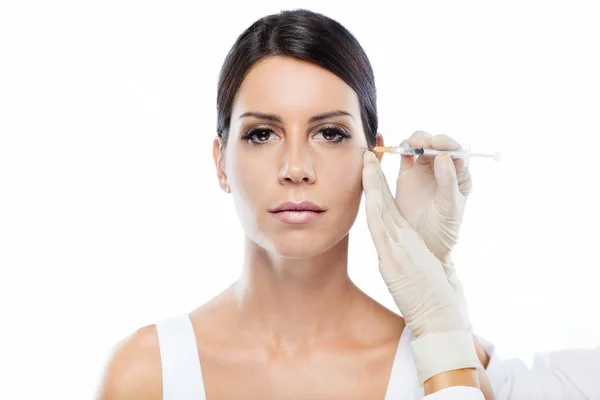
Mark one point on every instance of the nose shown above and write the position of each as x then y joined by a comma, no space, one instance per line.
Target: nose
297,165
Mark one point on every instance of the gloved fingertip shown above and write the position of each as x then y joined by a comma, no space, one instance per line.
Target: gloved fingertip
445,173
369,156
444,163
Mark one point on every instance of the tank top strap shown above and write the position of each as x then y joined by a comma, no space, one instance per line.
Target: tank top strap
181,372
403,383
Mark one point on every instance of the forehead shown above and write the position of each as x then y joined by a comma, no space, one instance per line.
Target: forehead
288,86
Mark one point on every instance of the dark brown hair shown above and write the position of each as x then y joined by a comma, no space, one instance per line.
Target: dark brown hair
307,36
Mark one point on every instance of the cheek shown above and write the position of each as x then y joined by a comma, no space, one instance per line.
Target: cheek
343,176
248,174
249,180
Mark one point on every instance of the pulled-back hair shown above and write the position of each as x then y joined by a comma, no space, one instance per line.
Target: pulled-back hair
304,35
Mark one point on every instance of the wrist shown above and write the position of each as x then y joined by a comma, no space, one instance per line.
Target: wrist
458,377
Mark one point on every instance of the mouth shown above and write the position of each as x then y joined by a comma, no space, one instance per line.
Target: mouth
297,213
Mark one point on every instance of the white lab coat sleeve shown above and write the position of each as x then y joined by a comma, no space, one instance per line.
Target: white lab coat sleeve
456,393
568,374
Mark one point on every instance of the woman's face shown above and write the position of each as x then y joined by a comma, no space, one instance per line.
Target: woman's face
293,160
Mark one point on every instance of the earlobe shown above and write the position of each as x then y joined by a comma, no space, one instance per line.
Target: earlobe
219,159
225,187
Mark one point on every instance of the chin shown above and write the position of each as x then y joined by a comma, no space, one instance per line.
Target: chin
303,244
300,249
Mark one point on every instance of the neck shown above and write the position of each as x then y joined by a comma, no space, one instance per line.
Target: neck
295,300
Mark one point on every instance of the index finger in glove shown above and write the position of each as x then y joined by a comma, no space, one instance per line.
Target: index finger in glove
374,205
391,211
407,161
463,175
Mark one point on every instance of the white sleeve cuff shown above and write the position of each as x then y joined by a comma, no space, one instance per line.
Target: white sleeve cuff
456,393
496,371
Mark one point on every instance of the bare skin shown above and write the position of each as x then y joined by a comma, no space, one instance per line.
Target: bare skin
349,358
293,326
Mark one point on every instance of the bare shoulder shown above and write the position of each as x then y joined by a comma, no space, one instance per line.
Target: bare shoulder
134,370
379,321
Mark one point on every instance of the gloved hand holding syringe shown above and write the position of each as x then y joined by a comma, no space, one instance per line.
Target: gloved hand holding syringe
414,233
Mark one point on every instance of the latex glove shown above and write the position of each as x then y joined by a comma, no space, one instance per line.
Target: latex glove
417,282
432,192
457,287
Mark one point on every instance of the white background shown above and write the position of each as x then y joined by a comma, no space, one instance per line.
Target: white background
110,213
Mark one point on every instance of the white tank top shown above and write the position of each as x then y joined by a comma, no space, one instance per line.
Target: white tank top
182,374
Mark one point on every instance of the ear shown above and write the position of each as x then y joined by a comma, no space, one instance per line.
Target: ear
380,142
219,158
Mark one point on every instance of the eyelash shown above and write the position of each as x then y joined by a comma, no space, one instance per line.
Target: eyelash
339,132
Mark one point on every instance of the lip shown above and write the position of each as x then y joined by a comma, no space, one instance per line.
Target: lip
302,206
297,213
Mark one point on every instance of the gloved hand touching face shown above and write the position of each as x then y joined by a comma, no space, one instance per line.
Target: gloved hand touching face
415,277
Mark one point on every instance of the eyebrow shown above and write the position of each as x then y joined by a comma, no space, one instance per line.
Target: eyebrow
277,118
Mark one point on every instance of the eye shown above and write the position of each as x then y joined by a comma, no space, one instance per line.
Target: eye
332,134
259,135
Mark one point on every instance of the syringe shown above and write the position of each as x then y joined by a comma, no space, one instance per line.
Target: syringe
418,151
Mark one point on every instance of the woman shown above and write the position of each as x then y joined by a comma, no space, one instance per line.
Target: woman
296,118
